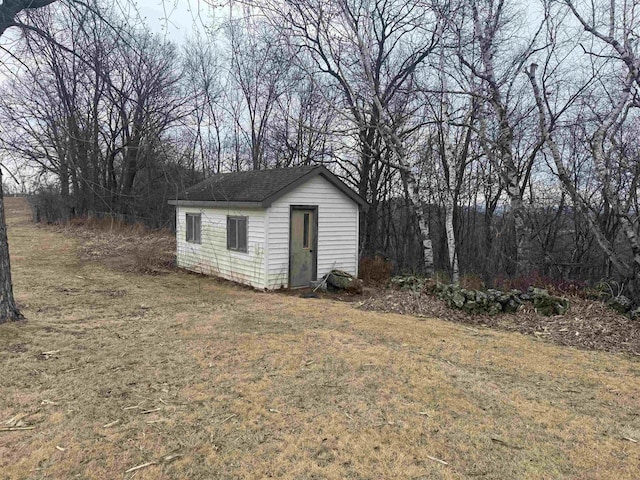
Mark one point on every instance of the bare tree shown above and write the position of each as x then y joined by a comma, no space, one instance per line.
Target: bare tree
258,70
206,93
494,80
9,11
609,140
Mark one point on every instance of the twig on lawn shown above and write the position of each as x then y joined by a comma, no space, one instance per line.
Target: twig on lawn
151,411
502,442
15,420
633,440
437,460
50,352
166,459
111,424
229,418
171,457
142,465
15,429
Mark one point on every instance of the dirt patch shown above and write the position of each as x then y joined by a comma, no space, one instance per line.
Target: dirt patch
588,324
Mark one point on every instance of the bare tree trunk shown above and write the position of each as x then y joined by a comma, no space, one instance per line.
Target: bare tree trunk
8,310
449,164
421,216
451,239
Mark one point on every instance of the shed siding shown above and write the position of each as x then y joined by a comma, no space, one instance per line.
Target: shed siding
337,230
211,256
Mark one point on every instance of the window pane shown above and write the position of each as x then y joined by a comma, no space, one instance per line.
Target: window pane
231,233
193,222
242,234
305,232
189,228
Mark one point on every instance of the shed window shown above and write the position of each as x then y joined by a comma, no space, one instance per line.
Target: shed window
193,227
237,233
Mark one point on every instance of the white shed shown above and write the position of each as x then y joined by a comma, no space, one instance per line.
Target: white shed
269,228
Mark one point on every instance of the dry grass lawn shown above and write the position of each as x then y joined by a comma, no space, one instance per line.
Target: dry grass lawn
192,378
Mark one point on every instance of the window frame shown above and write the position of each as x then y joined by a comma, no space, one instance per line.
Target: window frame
193,234
236,246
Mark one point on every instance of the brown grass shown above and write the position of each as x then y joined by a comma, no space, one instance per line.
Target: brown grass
132,248
206,380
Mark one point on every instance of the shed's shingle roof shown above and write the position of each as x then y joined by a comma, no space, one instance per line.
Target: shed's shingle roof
260,187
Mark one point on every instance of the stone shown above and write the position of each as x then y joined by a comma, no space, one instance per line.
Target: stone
458,299
494,309
340,280
548,305
471,306
620,304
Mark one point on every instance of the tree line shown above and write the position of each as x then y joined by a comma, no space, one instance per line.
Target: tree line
492,137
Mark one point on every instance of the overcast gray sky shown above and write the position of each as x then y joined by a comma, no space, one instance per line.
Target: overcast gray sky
176,19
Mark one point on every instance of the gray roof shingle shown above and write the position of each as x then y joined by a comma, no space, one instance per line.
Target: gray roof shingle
259,187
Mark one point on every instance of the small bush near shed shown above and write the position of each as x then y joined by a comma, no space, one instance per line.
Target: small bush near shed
375,271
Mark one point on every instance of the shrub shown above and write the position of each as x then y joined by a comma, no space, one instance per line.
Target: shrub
376,270
472,281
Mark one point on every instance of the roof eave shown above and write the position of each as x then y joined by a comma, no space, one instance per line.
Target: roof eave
215,204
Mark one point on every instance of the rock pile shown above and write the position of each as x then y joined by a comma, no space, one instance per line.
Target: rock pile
490,301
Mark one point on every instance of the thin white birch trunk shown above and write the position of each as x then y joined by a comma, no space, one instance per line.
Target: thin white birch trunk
449,163
485,33
395,143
